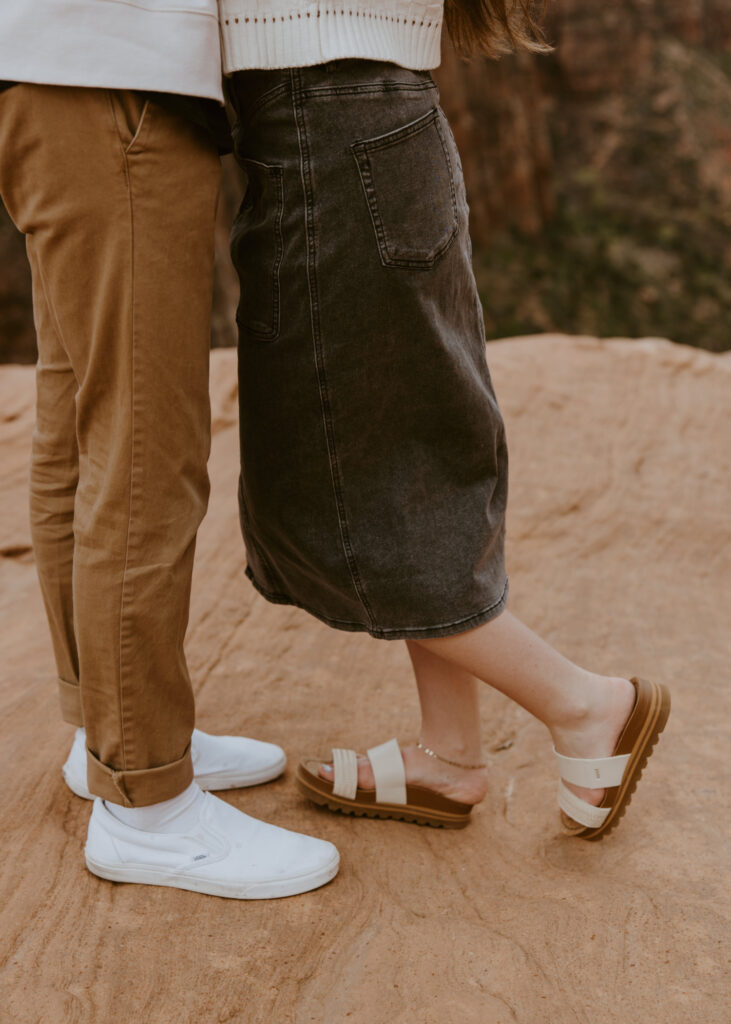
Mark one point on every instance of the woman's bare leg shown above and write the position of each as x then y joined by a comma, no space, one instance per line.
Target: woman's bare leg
450,706
450,724
584,712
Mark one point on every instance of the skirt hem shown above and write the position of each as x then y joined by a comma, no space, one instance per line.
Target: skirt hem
398,633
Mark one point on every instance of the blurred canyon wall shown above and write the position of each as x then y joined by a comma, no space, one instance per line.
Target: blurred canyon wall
600,176
599,180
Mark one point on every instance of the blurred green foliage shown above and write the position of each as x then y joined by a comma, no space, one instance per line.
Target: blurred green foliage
640,243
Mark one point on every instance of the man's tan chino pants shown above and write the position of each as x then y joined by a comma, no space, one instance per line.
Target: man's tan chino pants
117,199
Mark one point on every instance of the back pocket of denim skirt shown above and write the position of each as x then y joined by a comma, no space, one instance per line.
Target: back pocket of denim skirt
408,182
256,250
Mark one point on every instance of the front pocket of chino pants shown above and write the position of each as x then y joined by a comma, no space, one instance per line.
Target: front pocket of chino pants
130,109
256,250
408,183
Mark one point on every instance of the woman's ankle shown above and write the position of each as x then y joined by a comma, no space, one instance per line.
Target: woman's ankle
468,785
577,703
452,748
601,706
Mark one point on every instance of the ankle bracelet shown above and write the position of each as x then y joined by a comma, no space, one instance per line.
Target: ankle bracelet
455,764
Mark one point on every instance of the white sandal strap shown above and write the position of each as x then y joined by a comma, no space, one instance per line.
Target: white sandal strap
579,810
592,773
389,773
345,773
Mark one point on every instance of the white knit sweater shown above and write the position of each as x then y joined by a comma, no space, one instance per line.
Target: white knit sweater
297,33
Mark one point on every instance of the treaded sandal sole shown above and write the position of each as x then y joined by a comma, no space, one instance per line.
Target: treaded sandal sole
397,812
654,725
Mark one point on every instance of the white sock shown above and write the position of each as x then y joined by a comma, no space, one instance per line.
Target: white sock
180,814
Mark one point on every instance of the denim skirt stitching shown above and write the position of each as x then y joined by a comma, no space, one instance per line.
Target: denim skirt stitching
362,151
297,103
247,115
363,90
263,101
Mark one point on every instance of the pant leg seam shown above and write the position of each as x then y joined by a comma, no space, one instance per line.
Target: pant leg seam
123,593
335,474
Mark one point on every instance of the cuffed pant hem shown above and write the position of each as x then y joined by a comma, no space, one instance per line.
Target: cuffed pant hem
139,788
69,696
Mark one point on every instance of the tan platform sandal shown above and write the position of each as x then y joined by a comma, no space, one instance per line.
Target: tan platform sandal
393,797
618,774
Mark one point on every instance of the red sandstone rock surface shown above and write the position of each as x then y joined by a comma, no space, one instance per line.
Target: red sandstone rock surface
618,553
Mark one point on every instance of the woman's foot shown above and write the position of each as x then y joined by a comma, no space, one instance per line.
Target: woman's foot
594,729
466,785
589,730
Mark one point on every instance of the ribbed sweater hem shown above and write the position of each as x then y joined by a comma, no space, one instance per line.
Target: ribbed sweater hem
301,39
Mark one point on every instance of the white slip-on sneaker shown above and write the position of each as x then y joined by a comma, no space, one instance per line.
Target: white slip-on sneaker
227,853
219,762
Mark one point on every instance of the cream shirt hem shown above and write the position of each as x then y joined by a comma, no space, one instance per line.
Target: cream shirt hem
160,45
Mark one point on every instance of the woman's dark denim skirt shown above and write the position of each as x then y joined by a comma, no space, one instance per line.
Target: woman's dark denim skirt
373,458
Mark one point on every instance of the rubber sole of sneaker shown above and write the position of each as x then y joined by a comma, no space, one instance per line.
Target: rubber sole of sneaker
267,890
